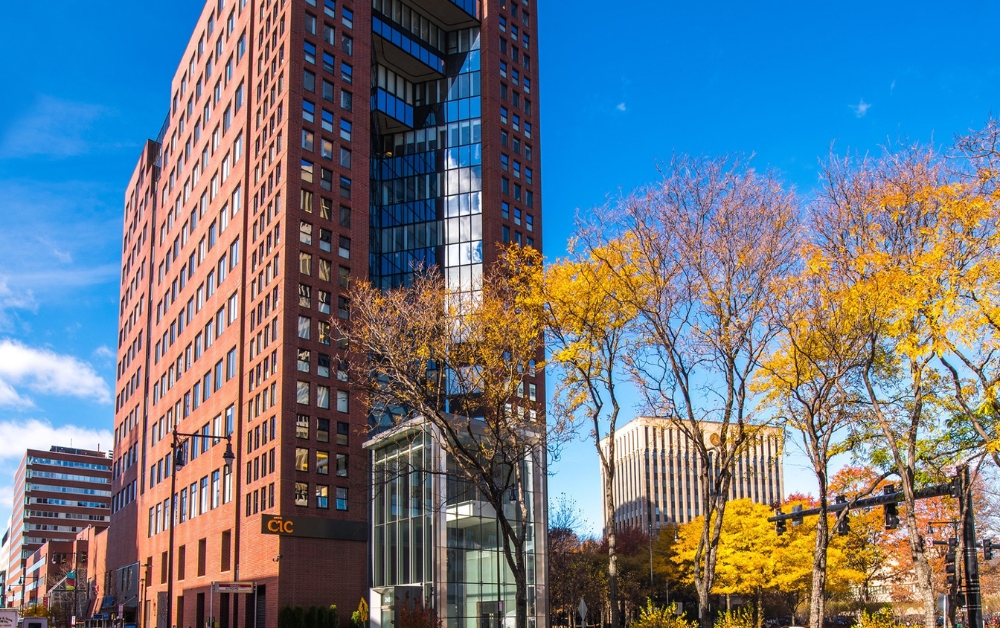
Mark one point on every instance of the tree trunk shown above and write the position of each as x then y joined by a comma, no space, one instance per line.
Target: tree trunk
612,554
758,600
817,598
921,570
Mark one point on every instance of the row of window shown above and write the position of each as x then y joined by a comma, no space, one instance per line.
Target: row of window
73,464
129,457
321,461
304,364
302,396
49,488
330,9
202,341
260,466
322,496
119,500
506,163
326,179
260,499
52,501
412,22
515,121
329,33
193,447
342,436
33,473
199,498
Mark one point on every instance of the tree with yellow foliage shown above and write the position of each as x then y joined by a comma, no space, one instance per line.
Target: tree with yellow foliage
875,232
811,382
587,322
753,559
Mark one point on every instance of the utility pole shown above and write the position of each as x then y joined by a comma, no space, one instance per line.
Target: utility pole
652,587
973,595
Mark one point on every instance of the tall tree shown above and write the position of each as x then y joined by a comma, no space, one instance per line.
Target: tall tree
873,229
588,323
811,380
457,361
705,249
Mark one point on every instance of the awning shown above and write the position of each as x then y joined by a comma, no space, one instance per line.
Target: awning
131,602
108,602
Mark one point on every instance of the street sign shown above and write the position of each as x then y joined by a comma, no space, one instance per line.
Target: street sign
583,611
8,618
232,587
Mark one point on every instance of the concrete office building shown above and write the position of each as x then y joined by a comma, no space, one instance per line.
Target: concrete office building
308,144
657,469
57,494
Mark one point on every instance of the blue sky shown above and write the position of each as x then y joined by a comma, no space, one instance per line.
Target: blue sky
619,92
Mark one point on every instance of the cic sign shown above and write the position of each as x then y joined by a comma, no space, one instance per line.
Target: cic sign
314,528
276,524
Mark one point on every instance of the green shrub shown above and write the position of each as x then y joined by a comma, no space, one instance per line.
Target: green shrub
333,619
286,618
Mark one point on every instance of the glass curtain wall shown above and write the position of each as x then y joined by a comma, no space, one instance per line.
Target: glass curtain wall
426,205
448,547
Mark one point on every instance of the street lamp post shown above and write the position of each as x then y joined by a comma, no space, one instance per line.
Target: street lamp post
652,587
227,457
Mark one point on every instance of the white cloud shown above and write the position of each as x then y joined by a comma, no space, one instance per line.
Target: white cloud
11,299
47,372
621,106
861,108
103,352
17,436
54,128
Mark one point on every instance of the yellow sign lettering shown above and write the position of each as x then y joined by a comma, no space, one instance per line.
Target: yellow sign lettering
280,526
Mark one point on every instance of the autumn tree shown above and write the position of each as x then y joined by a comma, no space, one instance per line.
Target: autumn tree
967,242
698,257
587,324
754,560
457,362
746,564
873,227
811,381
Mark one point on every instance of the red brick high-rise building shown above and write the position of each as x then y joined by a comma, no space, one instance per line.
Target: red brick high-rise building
309,143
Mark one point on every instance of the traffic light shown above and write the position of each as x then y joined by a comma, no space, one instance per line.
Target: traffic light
779,526
949,562
987,549
844,522
796,516
891,512
180,455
